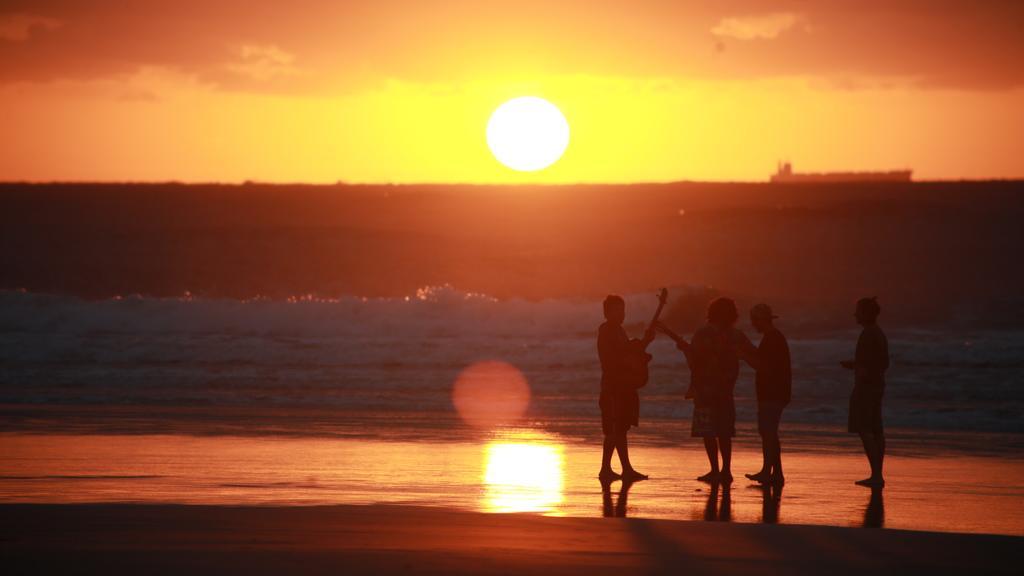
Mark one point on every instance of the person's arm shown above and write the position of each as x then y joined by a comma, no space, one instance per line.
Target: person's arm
747,350
860,354
697,355
875,359
786,363
649,335
852,364
681,343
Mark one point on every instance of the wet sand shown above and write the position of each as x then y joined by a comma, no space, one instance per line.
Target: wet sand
516,471
172,539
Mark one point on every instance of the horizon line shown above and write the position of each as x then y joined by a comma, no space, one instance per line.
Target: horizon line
343,183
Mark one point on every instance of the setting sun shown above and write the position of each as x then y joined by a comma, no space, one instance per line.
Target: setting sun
527,134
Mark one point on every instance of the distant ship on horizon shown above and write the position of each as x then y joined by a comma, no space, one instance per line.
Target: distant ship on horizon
784,174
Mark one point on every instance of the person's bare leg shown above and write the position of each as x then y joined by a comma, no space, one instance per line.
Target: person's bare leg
776,475
880,439
766,456
606,460
765,472
629,474
711,447
871,450
623,447
725,447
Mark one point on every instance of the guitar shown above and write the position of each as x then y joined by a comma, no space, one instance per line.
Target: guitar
639,358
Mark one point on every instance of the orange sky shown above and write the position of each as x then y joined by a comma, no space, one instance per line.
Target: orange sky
400,90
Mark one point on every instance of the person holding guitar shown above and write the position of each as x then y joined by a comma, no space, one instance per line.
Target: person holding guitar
623,371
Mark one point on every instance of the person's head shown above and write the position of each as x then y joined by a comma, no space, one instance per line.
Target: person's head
615,309
722,312
761,317
867,311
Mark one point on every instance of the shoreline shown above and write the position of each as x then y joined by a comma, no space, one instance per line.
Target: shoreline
442,426
387,539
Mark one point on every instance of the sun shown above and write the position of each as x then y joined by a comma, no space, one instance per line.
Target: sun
527,134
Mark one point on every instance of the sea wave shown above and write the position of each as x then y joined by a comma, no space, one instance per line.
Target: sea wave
401,355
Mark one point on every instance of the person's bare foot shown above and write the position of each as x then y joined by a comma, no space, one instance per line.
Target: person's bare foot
761,477
777,480
629,476
725,477
710,477
871,482
608,475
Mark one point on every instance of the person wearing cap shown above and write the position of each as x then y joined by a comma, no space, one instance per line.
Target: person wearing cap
869,364
773,380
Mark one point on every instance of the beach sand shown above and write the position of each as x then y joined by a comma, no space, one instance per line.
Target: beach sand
386,539
514,502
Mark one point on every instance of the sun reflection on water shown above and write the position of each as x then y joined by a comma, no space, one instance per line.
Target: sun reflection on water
524,475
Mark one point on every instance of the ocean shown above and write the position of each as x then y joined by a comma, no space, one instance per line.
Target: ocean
91,362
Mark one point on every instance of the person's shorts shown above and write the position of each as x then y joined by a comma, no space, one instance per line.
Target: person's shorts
612,426
865,411
619,412
768,416
714,419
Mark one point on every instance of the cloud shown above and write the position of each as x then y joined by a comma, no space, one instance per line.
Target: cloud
263,62
19,27
759,27
324,46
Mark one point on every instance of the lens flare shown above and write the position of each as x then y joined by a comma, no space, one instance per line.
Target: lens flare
491,393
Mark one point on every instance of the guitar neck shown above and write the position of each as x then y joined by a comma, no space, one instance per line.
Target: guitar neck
662,299
657,313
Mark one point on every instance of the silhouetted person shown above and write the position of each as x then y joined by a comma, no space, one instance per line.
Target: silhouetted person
870,362
874,513
620,403
773,380
713,356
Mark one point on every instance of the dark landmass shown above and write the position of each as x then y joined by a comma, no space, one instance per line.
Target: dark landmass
935,252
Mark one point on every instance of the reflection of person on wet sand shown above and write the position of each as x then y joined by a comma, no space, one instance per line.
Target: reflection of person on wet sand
874,514
615,509
771,495
620,403
723,513
870,362
714,356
